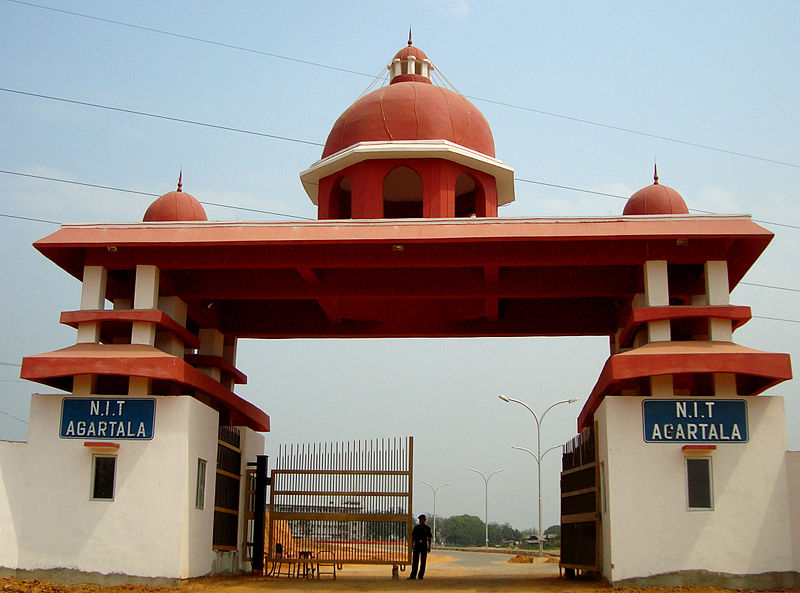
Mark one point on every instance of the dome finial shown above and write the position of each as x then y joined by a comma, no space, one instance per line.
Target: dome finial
409,35
180,180
655,172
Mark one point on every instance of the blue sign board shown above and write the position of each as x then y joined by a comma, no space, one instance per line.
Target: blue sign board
107,418
695,420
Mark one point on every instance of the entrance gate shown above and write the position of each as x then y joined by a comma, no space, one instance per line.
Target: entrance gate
580,505
350,499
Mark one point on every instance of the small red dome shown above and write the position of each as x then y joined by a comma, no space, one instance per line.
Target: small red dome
411,111
655,199
175,206
410,50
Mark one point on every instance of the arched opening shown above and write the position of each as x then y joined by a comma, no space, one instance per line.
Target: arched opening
341,203
467,191
402,194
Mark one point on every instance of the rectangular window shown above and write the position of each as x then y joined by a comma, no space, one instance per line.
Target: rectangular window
104,469
698,483
200,494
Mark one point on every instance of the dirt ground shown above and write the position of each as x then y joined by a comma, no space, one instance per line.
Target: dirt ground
443,574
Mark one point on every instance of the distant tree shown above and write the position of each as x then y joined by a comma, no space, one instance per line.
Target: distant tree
499,534
553,530
461,530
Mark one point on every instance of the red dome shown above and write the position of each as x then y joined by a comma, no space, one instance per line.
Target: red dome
175,206
656,199
410,50
411,111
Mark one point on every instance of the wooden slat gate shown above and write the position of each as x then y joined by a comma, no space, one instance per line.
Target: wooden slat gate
580,505
352,499
226,495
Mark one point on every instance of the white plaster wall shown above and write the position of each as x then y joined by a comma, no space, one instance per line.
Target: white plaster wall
793,484
648,531
202,427
12,500
144,531
252,444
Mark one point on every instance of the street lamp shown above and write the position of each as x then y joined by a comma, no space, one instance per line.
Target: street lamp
538,455
434,504
486,504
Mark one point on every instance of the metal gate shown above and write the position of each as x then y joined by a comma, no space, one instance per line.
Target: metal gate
352,499
580,505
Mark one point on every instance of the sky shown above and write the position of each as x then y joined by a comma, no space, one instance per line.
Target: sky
582,98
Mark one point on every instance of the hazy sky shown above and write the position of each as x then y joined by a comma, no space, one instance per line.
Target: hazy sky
581,95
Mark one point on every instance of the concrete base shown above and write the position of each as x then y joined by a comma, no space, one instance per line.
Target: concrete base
225,563
704,578
70,576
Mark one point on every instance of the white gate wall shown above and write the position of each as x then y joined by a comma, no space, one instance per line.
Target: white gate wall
150,529
647,529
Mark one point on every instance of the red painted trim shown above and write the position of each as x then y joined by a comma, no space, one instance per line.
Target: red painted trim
699,447
739,315
100,445
133,360
160,318
206,360
670,358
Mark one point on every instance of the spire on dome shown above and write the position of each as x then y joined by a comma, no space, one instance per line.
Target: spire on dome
180,180
655,173
410,64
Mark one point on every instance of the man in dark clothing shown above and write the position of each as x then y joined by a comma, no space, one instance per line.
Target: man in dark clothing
421,544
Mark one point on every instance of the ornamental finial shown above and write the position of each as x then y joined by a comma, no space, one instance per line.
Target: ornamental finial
655,173
180,180
409,35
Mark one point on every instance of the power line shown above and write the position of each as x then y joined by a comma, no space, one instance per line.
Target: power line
621,197
132,191
345,70
159,116
14,417
129,191
10,364
776,319
288,139
770,286
190,38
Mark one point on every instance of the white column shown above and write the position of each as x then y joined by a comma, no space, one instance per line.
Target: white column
718,293
145,296
212,343
656,291
84,384
139,386
661,386
93,298
725,384
717,288
167,341
229,354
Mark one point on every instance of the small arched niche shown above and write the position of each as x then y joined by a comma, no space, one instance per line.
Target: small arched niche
402,194
341,200
468,192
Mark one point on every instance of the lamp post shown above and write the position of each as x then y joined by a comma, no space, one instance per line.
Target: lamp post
434,490
538,455
486,499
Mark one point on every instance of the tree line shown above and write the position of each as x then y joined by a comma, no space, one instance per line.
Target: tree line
469,530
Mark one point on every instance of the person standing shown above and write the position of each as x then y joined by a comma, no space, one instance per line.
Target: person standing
420,546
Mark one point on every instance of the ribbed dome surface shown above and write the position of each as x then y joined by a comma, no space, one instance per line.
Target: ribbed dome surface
411,111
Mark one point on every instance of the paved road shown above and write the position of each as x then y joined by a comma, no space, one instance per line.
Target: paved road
455,563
